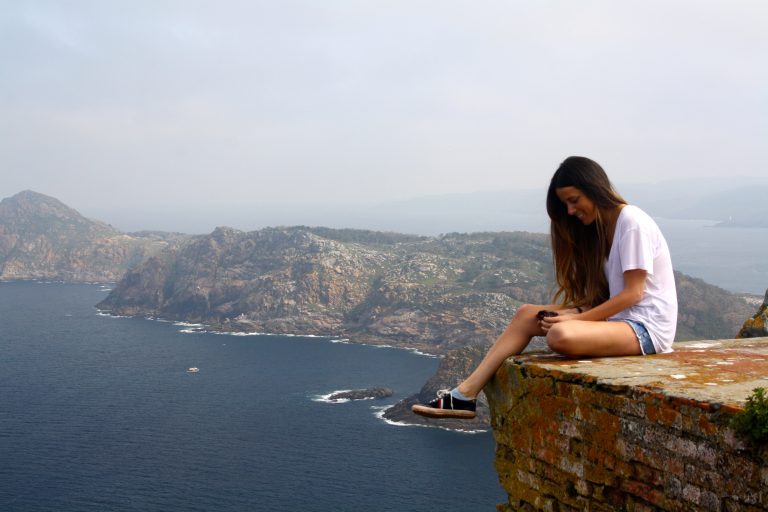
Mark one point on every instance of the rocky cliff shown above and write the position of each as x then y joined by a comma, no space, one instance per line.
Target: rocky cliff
42,238
757,326
435,294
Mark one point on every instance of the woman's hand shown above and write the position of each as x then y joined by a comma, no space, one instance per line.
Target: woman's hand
547,322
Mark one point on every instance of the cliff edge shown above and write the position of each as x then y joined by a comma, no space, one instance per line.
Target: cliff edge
630,433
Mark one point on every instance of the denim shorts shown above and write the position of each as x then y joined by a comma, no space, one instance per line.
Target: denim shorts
646,345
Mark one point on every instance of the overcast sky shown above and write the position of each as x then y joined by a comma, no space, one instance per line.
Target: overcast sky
196,104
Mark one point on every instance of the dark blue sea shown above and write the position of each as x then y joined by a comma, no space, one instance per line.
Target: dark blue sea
100,414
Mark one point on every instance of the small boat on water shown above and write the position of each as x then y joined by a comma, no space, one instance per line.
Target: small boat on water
193,370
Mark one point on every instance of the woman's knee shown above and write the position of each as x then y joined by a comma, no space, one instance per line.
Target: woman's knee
525,321
526,312
525,318
559,339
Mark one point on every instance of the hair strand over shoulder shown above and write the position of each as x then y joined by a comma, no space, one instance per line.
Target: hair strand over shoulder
579,251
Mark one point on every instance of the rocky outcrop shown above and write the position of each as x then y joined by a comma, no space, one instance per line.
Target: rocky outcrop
362,394
41,238
435,294
757,326
454,367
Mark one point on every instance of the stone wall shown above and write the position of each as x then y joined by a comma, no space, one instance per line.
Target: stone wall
633,433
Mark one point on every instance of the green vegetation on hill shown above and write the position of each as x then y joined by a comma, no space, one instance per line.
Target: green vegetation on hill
362,236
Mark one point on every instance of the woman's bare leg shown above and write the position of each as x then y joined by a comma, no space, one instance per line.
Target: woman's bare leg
513,340
578,338
574,338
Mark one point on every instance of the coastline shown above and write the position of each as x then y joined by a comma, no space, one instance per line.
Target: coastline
365,340
397,414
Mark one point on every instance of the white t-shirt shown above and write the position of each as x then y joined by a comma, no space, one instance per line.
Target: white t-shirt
639,244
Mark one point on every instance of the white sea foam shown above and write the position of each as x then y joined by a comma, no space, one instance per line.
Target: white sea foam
419,352
289,335
241,333
330,339
196,328
100,312
158,319
187,324
327,398
415,351
380,410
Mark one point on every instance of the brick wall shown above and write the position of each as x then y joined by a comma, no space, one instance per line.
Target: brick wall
640,433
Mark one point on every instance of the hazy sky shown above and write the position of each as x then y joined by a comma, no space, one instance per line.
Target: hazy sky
195,104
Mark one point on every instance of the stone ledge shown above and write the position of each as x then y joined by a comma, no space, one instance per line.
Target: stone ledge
705,372
639,433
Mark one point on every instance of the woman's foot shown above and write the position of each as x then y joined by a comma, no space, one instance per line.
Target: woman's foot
447,406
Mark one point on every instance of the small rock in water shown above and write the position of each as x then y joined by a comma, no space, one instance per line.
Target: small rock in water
362,394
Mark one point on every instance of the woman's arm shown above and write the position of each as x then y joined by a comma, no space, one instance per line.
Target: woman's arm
634,288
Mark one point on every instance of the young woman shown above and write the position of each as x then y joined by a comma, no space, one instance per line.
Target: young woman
616,289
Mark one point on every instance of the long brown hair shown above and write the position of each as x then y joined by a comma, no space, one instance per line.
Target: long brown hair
580,251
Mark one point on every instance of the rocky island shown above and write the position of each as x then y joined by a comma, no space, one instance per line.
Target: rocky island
362,394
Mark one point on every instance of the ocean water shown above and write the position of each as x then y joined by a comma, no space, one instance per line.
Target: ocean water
735,259
99,414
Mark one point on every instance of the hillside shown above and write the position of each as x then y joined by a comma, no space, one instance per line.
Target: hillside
42,238
432,293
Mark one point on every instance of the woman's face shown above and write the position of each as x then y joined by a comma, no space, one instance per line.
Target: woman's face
578,204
